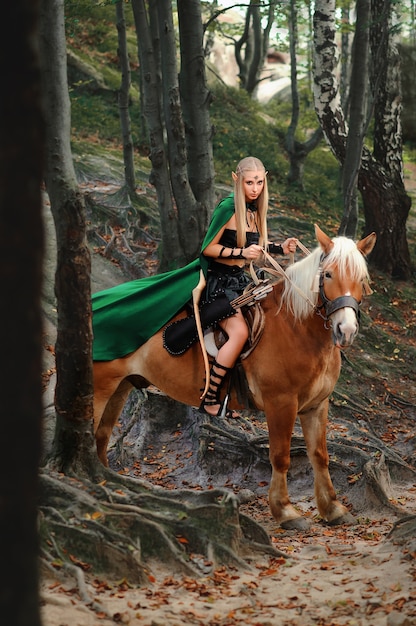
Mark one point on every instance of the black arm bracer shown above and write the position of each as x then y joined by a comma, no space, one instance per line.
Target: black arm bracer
234,254
275,248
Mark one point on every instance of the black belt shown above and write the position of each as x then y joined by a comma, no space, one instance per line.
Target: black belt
222,268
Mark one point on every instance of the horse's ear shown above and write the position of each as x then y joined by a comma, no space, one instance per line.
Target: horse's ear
367,244
324,241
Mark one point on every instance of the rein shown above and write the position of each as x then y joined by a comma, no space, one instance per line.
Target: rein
280,272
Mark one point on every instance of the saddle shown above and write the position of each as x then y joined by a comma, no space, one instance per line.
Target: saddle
180,335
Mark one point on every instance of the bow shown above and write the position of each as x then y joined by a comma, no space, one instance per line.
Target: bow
196,296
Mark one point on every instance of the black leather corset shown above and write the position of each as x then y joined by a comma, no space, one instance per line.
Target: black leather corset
229,238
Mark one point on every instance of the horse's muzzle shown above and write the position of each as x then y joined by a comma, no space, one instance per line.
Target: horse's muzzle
344,323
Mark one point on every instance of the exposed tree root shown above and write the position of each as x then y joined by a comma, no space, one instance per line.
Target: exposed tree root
119,527
377,489
404,531
77,574
362,463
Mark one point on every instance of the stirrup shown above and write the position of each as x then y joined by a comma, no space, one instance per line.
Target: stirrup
212,397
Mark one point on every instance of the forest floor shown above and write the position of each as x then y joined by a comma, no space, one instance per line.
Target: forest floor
355,575
343,576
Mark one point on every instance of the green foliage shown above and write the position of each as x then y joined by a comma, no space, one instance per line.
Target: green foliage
92,36
281,109
241,129
89,16
91,31
322,178
95,116
242,125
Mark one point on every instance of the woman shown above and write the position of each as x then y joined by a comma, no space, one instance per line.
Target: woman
241,239
127,315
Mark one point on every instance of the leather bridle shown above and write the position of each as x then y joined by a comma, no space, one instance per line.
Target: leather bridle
330,306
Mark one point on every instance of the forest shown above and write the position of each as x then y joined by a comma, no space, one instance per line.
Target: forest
117,182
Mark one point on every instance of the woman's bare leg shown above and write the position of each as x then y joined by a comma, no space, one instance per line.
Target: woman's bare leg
237,332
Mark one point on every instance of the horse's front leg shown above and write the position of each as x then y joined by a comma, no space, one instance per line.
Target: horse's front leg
280,422
314,426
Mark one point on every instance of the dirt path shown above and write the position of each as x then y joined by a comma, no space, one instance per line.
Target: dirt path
331,577
343,576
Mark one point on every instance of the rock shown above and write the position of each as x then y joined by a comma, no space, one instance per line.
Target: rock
246,495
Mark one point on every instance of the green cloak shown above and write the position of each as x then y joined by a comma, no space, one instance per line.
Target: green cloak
127,315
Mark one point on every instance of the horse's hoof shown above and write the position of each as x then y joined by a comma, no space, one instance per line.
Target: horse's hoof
297,523
347,518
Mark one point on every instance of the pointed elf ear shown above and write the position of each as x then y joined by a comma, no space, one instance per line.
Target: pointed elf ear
235,177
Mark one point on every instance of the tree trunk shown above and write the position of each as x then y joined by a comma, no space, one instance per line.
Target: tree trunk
21,269
296,150
256,43
171,254
251,48
184,218
74,445
391,210
123,99
196,99
325,86
356,134
345,56
386,204
295,170
186,205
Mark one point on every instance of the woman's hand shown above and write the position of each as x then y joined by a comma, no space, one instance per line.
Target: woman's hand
252,252
289,245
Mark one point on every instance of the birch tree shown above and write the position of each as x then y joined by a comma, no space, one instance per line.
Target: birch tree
380,177
388,215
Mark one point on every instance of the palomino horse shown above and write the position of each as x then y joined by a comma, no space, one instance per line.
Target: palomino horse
309,318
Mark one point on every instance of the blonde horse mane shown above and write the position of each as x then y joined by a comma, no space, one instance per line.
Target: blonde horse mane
301,291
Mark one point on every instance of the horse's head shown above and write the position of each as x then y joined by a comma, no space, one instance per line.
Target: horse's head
343,280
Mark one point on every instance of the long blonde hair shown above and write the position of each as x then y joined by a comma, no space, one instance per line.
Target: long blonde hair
250,164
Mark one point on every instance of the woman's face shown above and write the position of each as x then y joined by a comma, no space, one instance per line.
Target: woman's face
253,184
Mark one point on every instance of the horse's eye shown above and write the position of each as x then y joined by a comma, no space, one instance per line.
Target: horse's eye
328,275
